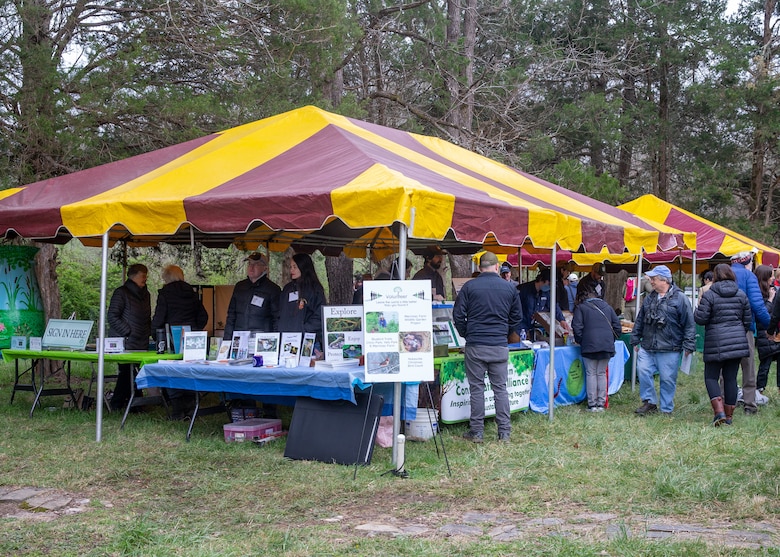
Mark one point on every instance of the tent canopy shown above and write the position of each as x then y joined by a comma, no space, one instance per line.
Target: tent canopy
712,240
316,180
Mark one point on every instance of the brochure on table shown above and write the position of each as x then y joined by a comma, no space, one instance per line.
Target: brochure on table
267,346
291,349
342,332
307,349
240,348
398,343
195,345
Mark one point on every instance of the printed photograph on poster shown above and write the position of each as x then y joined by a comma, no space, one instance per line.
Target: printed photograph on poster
398,344
382,321
416,341
383,363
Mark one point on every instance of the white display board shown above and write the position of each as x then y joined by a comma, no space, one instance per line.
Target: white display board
397,330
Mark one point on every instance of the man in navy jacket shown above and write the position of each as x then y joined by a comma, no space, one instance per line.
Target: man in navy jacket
486,311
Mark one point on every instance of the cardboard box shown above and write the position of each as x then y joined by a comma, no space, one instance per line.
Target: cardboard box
255,430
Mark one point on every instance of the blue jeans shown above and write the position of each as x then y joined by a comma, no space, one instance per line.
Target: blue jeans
664,364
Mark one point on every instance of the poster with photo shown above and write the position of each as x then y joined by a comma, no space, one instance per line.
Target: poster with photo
343,332
398,335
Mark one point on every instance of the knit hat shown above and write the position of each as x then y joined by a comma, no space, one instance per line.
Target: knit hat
743,257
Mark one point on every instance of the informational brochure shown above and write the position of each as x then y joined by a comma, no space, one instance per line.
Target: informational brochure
195,345
397,319
224,351
267,346
307,349
291,349
342,332
240,347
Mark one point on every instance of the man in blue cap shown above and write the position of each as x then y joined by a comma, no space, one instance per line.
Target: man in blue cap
664,328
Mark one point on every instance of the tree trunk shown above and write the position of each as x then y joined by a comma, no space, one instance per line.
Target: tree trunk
615,294
339,271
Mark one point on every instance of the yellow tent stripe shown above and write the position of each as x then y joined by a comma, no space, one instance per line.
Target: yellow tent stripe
153,203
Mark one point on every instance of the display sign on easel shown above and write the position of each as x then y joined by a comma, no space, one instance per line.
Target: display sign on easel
398,336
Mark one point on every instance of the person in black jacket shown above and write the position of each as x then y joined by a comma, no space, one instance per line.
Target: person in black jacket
129,316
254,305
486,311
724,311
178,304
301,300
596,326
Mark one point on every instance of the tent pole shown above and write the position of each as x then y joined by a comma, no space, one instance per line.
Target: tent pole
100,341
397,386
636,312
551,337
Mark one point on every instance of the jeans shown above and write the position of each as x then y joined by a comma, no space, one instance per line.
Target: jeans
492,360
596,381
664,364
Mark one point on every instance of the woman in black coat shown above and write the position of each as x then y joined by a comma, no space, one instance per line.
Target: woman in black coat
724,311
596,326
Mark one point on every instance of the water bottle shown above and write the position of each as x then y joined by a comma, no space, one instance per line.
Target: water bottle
159,336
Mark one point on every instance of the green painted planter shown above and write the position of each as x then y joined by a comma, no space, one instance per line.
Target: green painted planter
21,307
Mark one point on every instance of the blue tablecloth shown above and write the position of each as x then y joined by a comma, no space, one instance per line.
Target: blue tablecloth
569,387
277,385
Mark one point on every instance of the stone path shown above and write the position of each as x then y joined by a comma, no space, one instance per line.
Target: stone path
39,504
48,504
508,527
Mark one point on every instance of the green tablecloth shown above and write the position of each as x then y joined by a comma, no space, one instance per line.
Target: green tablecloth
626,337
140,358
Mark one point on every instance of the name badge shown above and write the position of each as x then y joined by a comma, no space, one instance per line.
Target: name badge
258,301
293,297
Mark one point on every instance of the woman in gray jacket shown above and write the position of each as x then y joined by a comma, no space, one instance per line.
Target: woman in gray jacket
724,311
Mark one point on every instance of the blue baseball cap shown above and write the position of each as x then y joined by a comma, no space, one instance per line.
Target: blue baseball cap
660,271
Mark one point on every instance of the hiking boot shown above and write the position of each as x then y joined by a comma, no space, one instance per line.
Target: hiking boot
728,409
473,436
503,438
750,411
646,408
718,411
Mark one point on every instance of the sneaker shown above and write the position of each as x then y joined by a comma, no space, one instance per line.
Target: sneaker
473,436
761,398
503,438
740,400
750,411
596,409
646,408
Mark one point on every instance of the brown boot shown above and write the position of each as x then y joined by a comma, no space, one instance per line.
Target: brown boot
729,411
717,407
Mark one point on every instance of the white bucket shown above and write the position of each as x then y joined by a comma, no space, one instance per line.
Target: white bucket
420,428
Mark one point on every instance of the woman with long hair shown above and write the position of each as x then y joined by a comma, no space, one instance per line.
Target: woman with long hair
301,301
724,311
768,350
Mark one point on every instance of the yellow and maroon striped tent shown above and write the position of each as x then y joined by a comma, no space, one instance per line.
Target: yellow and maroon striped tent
712,240
311,179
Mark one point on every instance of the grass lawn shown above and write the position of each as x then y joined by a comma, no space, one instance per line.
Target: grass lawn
152,493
